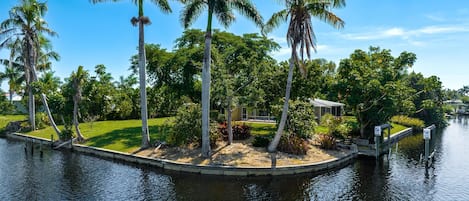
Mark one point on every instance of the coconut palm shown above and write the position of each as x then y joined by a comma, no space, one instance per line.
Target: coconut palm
13,67
27,23
15,79
77,78
141,21
300,36
223,10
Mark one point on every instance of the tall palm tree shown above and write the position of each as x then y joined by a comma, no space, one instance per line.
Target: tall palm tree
223,10
27,23
141,21
77,78
300,35
13,67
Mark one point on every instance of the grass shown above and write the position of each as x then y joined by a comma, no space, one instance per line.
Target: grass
5,119
262,128
118,135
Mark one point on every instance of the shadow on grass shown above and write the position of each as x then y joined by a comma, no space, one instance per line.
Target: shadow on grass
130,137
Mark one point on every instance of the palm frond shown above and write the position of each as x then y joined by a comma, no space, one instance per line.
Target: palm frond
191,11
246,8
223,12
275,21
321,11
163,5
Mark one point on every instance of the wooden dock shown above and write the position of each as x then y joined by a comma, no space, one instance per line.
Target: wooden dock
369,150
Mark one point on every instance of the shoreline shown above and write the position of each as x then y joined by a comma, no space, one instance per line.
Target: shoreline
310,168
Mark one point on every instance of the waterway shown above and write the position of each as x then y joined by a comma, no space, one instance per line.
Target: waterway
59,175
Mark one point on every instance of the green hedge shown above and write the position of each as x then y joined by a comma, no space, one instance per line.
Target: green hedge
408,121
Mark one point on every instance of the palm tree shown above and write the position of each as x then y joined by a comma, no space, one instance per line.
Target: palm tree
27,23
15,78
223,10
77,79
141,21
300,35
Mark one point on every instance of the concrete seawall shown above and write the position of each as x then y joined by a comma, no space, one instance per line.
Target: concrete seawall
313,168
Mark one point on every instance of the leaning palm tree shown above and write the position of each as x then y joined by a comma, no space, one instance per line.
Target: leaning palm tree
223,10
27,23
77,78
141,21
300,36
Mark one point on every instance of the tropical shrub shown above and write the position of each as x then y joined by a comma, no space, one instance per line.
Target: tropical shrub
187,125
41,120
293,144
337,127
326,141
66,133
240,132
261,141
300,119
408,121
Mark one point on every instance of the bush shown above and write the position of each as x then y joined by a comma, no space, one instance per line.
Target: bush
326,141
42,120
408,121
293,144
240,132
261,141
337,126
66,133
187,125
300,118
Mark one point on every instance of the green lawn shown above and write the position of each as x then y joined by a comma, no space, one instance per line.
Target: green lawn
4,119
122,135
125,135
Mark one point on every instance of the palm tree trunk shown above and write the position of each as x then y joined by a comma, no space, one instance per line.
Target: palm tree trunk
80,137
273,145
143,91
31,108
11,96
32,61
229,126
206,89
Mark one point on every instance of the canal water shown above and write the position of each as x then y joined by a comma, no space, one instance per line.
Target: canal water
397,176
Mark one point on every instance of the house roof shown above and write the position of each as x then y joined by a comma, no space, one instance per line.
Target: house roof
325,103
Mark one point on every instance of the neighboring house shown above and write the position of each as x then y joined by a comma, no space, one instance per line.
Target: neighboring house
321,107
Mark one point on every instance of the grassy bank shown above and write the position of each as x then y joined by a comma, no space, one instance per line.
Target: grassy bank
5,119
122,135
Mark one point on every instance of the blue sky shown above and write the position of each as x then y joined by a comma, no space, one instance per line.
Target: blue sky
437,31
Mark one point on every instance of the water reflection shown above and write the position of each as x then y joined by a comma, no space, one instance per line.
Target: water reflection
397,176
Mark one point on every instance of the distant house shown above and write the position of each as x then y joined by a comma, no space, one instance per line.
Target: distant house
321,107
459,106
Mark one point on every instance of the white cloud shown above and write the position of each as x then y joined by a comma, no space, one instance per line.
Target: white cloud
435,18
405,34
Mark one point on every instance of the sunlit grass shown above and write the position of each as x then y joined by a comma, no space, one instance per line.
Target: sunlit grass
118,135
5,119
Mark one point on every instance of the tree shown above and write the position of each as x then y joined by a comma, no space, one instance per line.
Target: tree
12,69
78,78
371,84
141,21
223,10
27,23
242,61
300,35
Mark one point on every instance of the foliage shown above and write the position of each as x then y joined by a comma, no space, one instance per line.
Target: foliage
187,125
41,120
372,86
6,107
300,119
66,133
293,144
337,126
240,131
326,141
408,121
262,141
